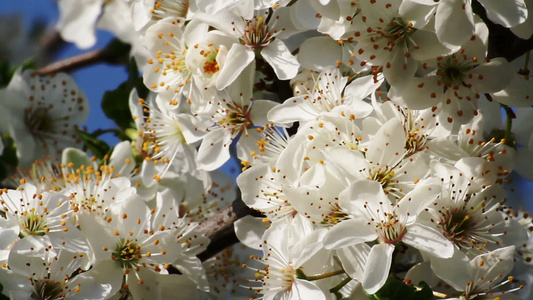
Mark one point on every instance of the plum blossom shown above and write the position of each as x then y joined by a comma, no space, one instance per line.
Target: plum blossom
261,35
44,114
377,219
188,60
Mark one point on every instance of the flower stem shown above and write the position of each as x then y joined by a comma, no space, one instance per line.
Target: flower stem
436,294
302,275
335,290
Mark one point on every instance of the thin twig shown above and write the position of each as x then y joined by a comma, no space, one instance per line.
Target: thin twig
75,62
115,53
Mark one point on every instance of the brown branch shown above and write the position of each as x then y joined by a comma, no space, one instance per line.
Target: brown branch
73,63
114,53
220,228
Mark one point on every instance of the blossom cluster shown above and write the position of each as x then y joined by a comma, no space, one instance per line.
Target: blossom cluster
370,138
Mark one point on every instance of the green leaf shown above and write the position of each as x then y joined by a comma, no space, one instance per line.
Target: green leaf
115,103
2,296
424,293
395,289
7,72
8,159
97,147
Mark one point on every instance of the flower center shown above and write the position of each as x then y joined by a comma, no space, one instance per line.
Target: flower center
236,118
38,121
32,224
383,176
211,67
210,64
170,8
127,254
46,289
391,230
452,71
335,216
282,278
457,226
398,32
257,34
416,139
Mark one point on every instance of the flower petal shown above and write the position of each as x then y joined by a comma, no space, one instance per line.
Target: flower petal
377,267
280,58
429,240
349,232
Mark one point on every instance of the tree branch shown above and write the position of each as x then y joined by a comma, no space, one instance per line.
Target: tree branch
220,228
116,52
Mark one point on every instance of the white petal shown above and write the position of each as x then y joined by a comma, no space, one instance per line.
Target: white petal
429,240
361,87
225,21
453,270
517,93
388,145
9,233
353,259
121,159
419,12
454,23
285,64
524,163
319,53
349,232
108,272
116,17
293,110
77,22
238,57
423,2
420,94
193,128
214,150
496,263
173,284
429,46
507,13
305,248
303,289
491,77
377,267
249,230
259,111
401,69
77,157
195,32
417,200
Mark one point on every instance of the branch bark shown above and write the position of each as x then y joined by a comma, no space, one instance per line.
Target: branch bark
116,52
220,228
